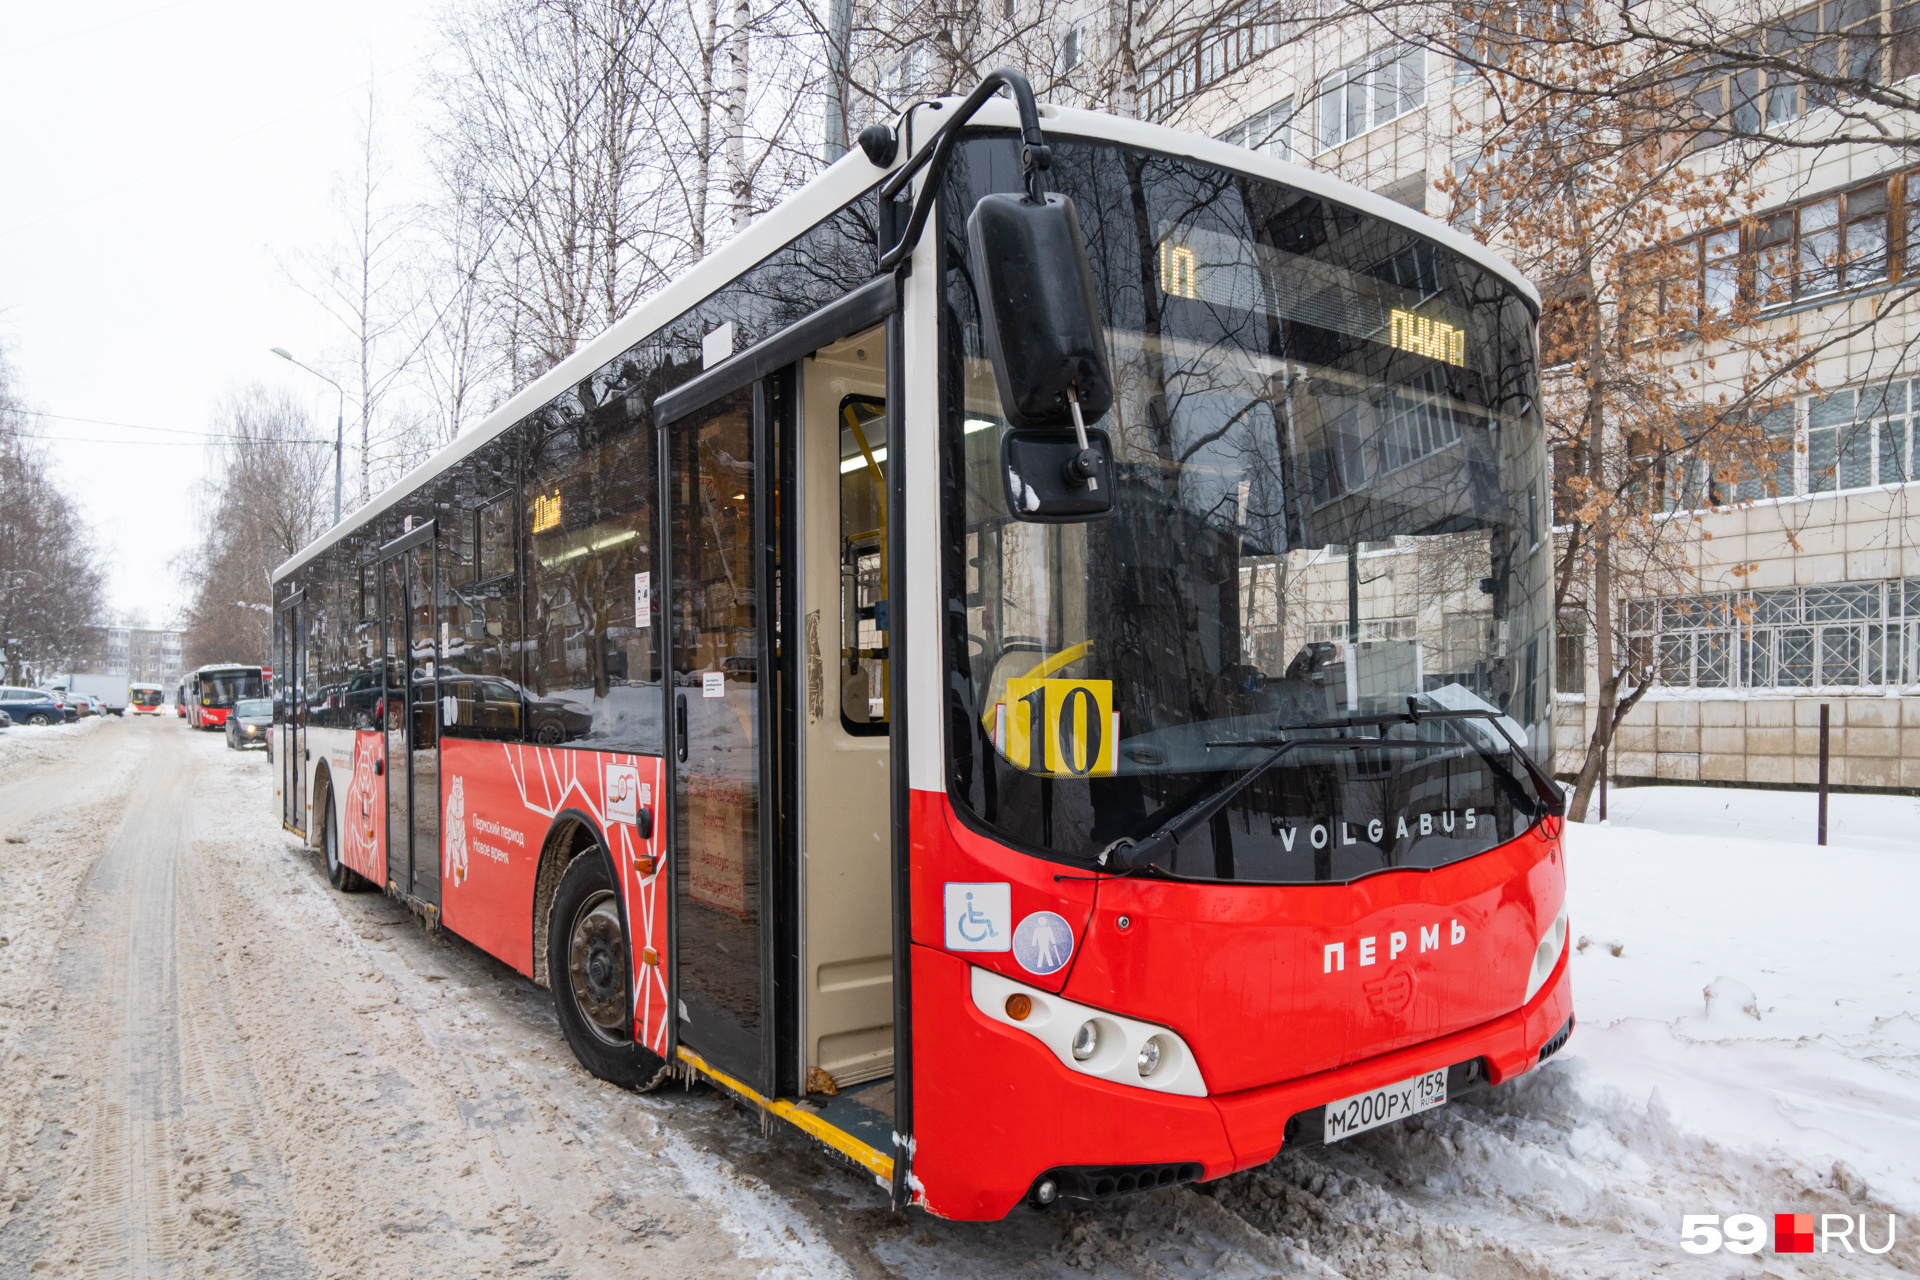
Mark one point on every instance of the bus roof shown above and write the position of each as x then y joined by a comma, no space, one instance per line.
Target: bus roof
840,183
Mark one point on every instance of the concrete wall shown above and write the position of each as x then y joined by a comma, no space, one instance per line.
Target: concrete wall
1772,740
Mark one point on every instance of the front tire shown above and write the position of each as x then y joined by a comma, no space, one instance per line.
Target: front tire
339,874
591,971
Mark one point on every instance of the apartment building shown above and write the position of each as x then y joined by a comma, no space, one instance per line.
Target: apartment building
1785,603
145,655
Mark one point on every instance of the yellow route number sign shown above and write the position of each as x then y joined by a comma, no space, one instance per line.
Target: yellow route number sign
1073,721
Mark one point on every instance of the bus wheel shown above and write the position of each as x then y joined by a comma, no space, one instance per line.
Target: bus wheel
339,874
590,968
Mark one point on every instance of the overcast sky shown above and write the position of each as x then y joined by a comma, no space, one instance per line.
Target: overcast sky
159,162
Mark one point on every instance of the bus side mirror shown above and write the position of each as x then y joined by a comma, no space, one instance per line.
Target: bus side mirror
1043,334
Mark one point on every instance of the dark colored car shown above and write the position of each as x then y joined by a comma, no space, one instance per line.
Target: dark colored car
493,707
32,706
250,724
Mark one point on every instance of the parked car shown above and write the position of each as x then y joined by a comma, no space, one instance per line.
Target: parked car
72,706
250,724
5,720
32,706
97,704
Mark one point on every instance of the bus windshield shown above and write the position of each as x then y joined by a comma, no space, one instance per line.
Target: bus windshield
1329,507
145,697
224,688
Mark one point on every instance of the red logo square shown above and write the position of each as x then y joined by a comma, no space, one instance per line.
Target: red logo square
1793,1233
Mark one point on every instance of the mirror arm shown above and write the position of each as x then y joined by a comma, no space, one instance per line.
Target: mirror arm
1035,156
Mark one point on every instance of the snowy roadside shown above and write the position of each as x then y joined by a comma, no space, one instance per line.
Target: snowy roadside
1755,989
25,745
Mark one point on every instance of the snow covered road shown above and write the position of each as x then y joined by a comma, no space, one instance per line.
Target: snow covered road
212,1064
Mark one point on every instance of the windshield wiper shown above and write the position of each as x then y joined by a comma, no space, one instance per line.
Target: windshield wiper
1131,855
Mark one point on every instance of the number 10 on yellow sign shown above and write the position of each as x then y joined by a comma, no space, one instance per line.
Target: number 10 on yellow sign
1073,721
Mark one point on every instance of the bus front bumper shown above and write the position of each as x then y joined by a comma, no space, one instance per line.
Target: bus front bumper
994,1110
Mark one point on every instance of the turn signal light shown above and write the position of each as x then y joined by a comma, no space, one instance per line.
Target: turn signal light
1019,1006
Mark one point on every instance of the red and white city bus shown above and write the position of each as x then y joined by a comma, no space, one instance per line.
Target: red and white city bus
208,693
1025,808
146,699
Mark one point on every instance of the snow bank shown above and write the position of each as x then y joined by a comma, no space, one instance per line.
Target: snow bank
1761,991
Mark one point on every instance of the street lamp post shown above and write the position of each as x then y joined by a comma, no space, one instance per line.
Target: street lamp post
339,424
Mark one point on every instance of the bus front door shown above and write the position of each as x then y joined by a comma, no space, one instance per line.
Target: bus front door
411,698
288,713
725,827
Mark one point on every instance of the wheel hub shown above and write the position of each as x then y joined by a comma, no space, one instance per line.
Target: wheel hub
596,960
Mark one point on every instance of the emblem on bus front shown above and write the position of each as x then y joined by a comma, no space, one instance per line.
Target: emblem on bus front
979,916
1043,943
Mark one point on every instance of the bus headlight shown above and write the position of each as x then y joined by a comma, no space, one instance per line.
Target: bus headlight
1545,956
1092,1041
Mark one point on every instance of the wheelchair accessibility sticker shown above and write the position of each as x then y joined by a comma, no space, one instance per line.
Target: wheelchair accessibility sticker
979,916
1043,943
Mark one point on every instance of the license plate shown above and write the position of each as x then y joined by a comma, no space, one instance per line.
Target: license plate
1370,1110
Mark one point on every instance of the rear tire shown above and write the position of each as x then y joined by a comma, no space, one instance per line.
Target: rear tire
590,968
339,874
39,718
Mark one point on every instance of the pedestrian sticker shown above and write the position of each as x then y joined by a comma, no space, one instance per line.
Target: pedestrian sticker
1043,943
979,916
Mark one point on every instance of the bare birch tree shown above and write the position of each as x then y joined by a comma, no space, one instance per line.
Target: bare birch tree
268,494
365,286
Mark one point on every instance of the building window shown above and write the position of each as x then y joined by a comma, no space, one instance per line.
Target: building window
1838,242
902,79
1859,438
1269,132
1845,636
1843,37
1370,93
1196,63
1570,652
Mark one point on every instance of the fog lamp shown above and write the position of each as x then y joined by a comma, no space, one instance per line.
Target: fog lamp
1085,1041
1149,1061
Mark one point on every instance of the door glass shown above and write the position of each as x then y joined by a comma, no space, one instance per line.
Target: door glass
286,627
393,705
863,565
716,710
423,718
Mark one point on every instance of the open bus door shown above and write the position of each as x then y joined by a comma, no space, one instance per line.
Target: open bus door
411,703
778,739
289,705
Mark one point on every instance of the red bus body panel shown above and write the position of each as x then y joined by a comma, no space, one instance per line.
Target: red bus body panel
1242,974
498,801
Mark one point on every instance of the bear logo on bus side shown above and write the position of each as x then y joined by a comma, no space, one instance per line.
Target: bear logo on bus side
455,830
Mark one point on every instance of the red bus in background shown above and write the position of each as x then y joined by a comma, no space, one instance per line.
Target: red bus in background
146,699
210,691
1040,744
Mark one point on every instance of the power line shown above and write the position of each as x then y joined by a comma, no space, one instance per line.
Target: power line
137,426
169,444
87,31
